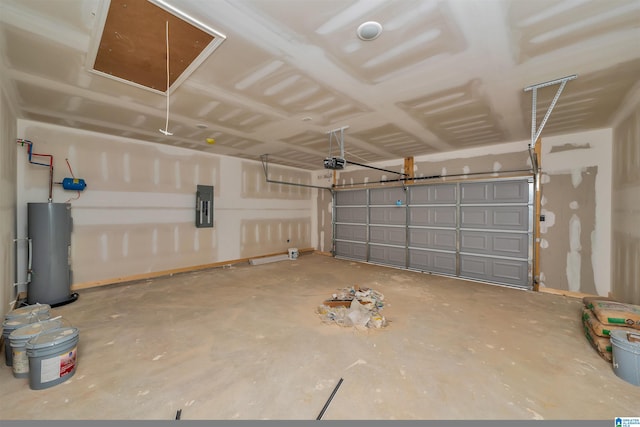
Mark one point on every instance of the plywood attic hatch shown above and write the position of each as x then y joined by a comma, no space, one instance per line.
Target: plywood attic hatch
131,45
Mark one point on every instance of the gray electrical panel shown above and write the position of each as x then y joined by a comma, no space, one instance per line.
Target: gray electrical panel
204,206
49,234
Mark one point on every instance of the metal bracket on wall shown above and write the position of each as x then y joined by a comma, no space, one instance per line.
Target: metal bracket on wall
536,131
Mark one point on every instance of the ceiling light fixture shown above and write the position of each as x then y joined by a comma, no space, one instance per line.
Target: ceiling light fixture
369,30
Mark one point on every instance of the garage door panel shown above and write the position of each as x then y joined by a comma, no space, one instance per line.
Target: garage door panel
351,214
444,263
512,272
444,239
388,235
474,267
474,193
494,192
436,216
509,272
444,217
354,197
514,245
495,243
433,194
501,217
511,192
515,217
351,250
387,255
388,215
352,232
474,242
474,217
432,238
438,262
386,196
419,216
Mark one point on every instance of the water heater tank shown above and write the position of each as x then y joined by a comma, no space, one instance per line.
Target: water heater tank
49,231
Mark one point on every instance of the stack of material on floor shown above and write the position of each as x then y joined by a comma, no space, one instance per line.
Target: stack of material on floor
354,306
20,317
39,347
601,316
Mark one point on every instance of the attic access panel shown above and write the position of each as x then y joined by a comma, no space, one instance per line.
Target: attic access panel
133,47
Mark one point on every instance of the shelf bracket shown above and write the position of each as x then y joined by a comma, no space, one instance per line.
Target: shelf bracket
536,131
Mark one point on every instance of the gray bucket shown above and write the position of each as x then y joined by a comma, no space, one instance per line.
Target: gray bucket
13,323
626,355
52,357
293,253
18,341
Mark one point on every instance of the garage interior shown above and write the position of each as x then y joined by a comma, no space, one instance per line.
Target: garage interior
477,162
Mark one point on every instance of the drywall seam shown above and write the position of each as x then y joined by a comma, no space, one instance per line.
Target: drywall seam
573,256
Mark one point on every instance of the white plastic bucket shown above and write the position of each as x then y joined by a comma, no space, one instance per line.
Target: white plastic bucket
52,357
625,346
18,341
293,253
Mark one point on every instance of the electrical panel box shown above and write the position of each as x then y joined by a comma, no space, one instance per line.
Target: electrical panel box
204,206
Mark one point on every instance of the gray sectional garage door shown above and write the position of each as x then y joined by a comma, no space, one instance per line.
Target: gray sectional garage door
351,224
478,230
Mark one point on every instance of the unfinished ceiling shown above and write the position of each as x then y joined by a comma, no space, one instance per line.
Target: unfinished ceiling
443,75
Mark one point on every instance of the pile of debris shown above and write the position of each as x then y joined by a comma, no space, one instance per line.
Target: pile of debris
354,307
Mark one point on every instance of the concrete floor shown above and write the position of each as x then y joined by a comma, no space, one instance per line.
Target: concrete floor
245,343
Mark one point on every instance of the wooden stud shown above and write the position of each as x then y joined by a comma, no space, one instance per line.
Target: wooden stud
408,169
566,293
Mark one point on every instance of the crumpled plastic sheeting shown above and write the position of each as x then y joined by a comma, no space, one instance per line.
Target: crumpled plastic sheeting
363,312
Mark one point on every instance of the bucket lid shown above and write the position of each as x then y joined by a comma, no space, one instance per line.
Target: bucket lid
33,329
628,338
52,338
17,322
29,310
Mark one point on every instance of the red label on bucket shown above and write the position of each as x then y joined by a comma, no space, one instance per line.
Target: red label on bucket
68,362
57,367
